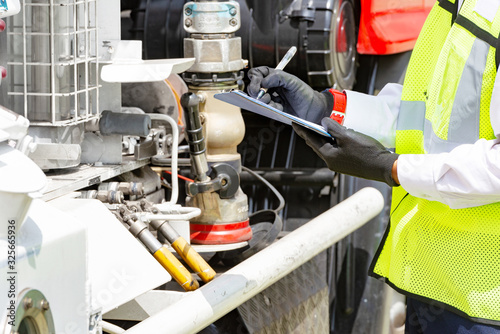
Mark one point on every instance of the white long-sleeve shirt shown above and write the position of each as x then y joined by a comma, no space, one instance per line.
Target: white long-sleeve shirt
467,176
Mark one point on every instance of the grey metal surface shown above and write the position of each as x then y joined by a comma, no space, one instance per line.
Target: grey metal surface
217,55
210,17
57,147
40,77
102,149
62,183
149,178
212,26
149,240
147,148
56,84
298,303
151,97
55,79
55,156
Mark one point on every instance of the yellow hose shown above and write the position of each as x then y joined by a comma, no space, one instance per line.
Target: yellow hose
176,269
193,259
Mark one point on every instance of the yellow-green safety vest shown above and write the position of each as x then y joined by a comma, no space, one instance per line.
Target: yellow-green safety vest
430,251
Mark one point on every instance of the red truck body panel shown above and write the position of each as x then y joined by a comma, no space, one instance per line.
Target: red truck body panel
391,26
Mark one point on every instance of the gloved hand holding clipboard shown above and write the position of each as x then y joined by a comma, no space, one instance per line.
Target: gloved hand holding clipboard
242,100
349,152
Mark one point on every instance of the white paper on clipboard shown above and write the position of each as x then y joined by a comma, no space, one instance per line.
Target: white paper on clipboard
242,100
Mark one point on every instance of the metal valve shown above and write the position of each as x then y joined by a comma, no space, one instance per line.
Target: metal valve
224,180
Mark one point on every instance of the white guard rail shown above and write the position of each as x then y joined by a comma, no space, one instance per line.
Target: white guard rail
200,308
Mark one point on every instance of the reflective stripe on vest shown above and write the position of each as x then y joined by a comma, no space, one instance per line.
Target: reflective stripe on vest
431,251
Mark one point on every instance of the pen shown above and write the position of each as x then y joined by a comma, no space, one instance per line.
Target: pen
280,66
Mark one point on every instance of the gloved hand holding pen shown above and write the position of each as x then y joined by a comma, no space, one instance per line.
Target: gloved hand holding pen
351,152
288,93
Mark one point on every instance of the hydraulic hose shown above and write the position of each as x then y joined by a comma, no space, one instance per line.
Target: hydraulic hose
187,253
174,267
270,186
181,246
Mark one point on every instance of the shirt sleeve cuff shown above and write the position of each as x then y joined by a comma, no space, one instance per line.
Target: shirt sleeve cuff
416,175
382,111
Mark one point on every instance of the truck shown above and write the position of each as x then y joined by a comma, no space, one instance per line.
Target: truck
132,200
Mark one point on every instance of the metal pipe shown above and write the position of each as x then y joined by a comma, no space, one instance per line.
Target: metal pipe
166,162
200,308
144,216
167,212
178,209
175,144
291,177
110,328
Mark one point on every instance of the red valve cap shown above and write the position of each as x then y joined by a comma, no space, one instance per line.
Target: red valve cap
2,25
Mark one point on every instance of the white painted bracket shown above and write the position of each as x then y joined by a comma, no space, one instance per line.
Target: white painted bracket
128,66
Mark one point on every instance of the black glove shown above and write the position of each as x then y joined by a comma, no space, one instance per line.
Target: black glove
351,152
288,93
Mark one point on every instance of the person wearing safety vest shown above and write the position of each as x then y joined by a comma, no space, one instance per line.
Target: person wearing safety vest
442,246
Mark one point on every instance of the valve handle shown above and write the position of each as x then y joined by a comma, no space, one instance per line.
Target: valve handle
194,129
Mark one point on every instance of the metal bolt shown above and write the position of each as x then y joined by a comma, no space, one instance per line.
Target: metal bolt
223,182
169,140
202,118
188,11
28,303
44,305
188,23
107,44
202,97
233,22
233,11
